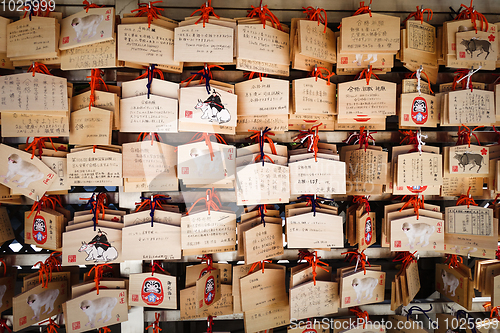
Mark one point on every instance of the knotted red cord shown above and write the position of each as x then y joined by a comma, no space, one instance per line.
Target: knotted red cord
37,67
464,134
146,202
51,325
198,137
3,326
203,73
473,15
153,135
105,329
2,262
359,256
466,199
406,258
360,314
46,268
155,265
367,74
205,10
362,10
39,12
257,264
88,5
318,72
95,83
250,75
97,269
419,15
409,138
494,312
155,326
312,138
460,77
260,137
151,73
316,14
362,201
312,259
414,200
362,138
428,81
497,253
149,10
487,306
452,260
497,132
209,261
209,201
210,323
265,15
45,201
38,143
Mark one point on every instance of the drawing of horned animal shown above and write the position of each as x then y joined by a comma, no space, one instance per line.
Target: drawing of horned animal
468,158
472,45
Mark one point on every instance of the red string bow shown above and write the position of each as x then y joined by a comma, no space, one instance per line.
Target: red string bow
452,260
261,137
415,201
155,265
473,15
362,10
311,138
494,312
88,5
153,135
360,314
38,143
312,259
46,268
51,325
414,74
97,269
362,201
204,74
318,72
205,10
362,138
37,67
265,15
250,75
367,74
209,201
95,83
466,199
419,15
2,262
359,256
198,137
151,73
105,329
149,10
464,134
45,201
209,261
29,9
316,14
210,323
156,324
3,326
258,264
406,258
